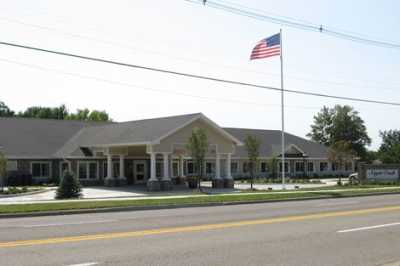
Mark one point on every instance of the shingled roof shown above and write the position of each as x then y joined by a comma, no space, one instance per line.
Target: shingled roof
271,143
37,138
44,138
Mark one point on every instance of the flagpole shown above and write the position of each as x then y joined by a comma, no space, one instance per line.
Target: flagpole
282,116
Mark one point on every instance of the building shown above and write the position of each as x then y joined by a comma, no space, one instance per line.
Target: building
148,151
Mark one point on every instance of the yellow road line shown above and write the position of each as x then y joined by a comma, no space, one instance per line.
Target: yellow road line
195,228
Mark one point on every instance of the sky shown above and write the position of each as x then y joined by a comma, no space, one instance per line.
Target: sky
182,36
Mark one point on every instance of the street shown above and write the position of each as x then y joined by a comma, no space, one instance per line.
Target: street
350,231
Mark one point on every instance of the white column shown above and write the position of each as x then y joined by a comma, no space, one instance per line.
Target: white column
217,166
153,167
228,166
166,168
121,167
182,167
109,167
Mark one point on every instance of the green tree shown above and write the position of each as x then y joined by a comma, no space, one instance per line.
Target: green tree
69,187
3,170
60,112
5,111
389,151
198,146
341,123
252,145
273,166
341,152
87,115
98,116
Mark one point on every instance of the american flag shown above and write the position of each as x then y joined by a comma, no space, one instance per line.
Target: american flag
267,47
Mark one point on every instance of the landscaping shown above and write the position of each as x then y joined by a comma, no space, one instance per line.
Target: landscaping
332,192
19,190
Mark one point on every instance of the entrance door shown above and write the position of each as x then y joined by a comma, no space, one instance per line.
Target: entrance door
139,172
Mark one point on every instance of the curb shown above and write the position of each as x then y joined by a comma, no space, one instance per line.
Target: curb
179,206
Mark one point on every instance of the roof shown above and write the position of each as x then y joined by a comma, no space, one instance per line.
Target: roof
125,133
271,143
38,138
45,138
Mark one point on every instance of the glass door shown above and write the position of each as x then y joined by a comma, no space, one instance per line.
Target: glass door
140,175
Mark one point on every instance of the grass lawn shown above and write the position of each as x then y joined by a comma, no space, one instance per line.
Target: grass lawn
270,196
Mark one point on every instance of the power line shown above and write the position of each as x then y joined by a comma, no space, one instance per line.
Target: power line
189,75
186,59
125,84
295,23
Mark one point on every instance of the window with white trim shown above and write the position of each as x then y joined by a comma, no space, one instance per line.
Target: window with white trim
263,167
234,167
310,167
210,168
286,167
175,168
323,166
159,168
245,167
40,169
88,170
299,166
190,167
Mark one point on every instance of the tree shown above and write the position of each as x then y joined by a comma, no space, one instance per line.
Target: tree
341,152
98,116
341,123
252,145
198,146
60,112
87,115
273,166
5,111
69,187
3,170
389,151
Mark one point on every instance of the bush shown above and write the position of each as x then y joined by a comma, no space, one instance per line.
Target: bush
69,187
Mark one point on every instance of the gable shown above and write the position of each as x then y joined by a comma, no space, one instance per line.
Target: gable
222,142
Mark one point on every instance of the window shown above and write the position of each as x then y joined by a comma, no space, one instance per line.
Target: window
88,170
323,166
40,169
115,169
299,166
234,168
263,167
209,168
159,167
310,167
286,167
245,167
335,167
190,168
105,170
175,167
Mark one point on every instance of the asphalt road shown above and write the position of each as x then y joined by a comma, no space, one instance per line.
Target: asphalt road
352,231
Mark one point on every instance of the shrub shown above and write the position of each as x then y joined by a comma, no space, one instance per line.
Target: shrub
69,187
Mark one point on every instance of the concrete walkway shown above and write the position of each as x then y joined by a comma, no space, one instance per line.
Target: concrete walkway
115,193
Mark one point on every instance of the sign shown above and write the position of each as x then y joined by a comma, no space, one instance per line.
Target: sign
383,174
